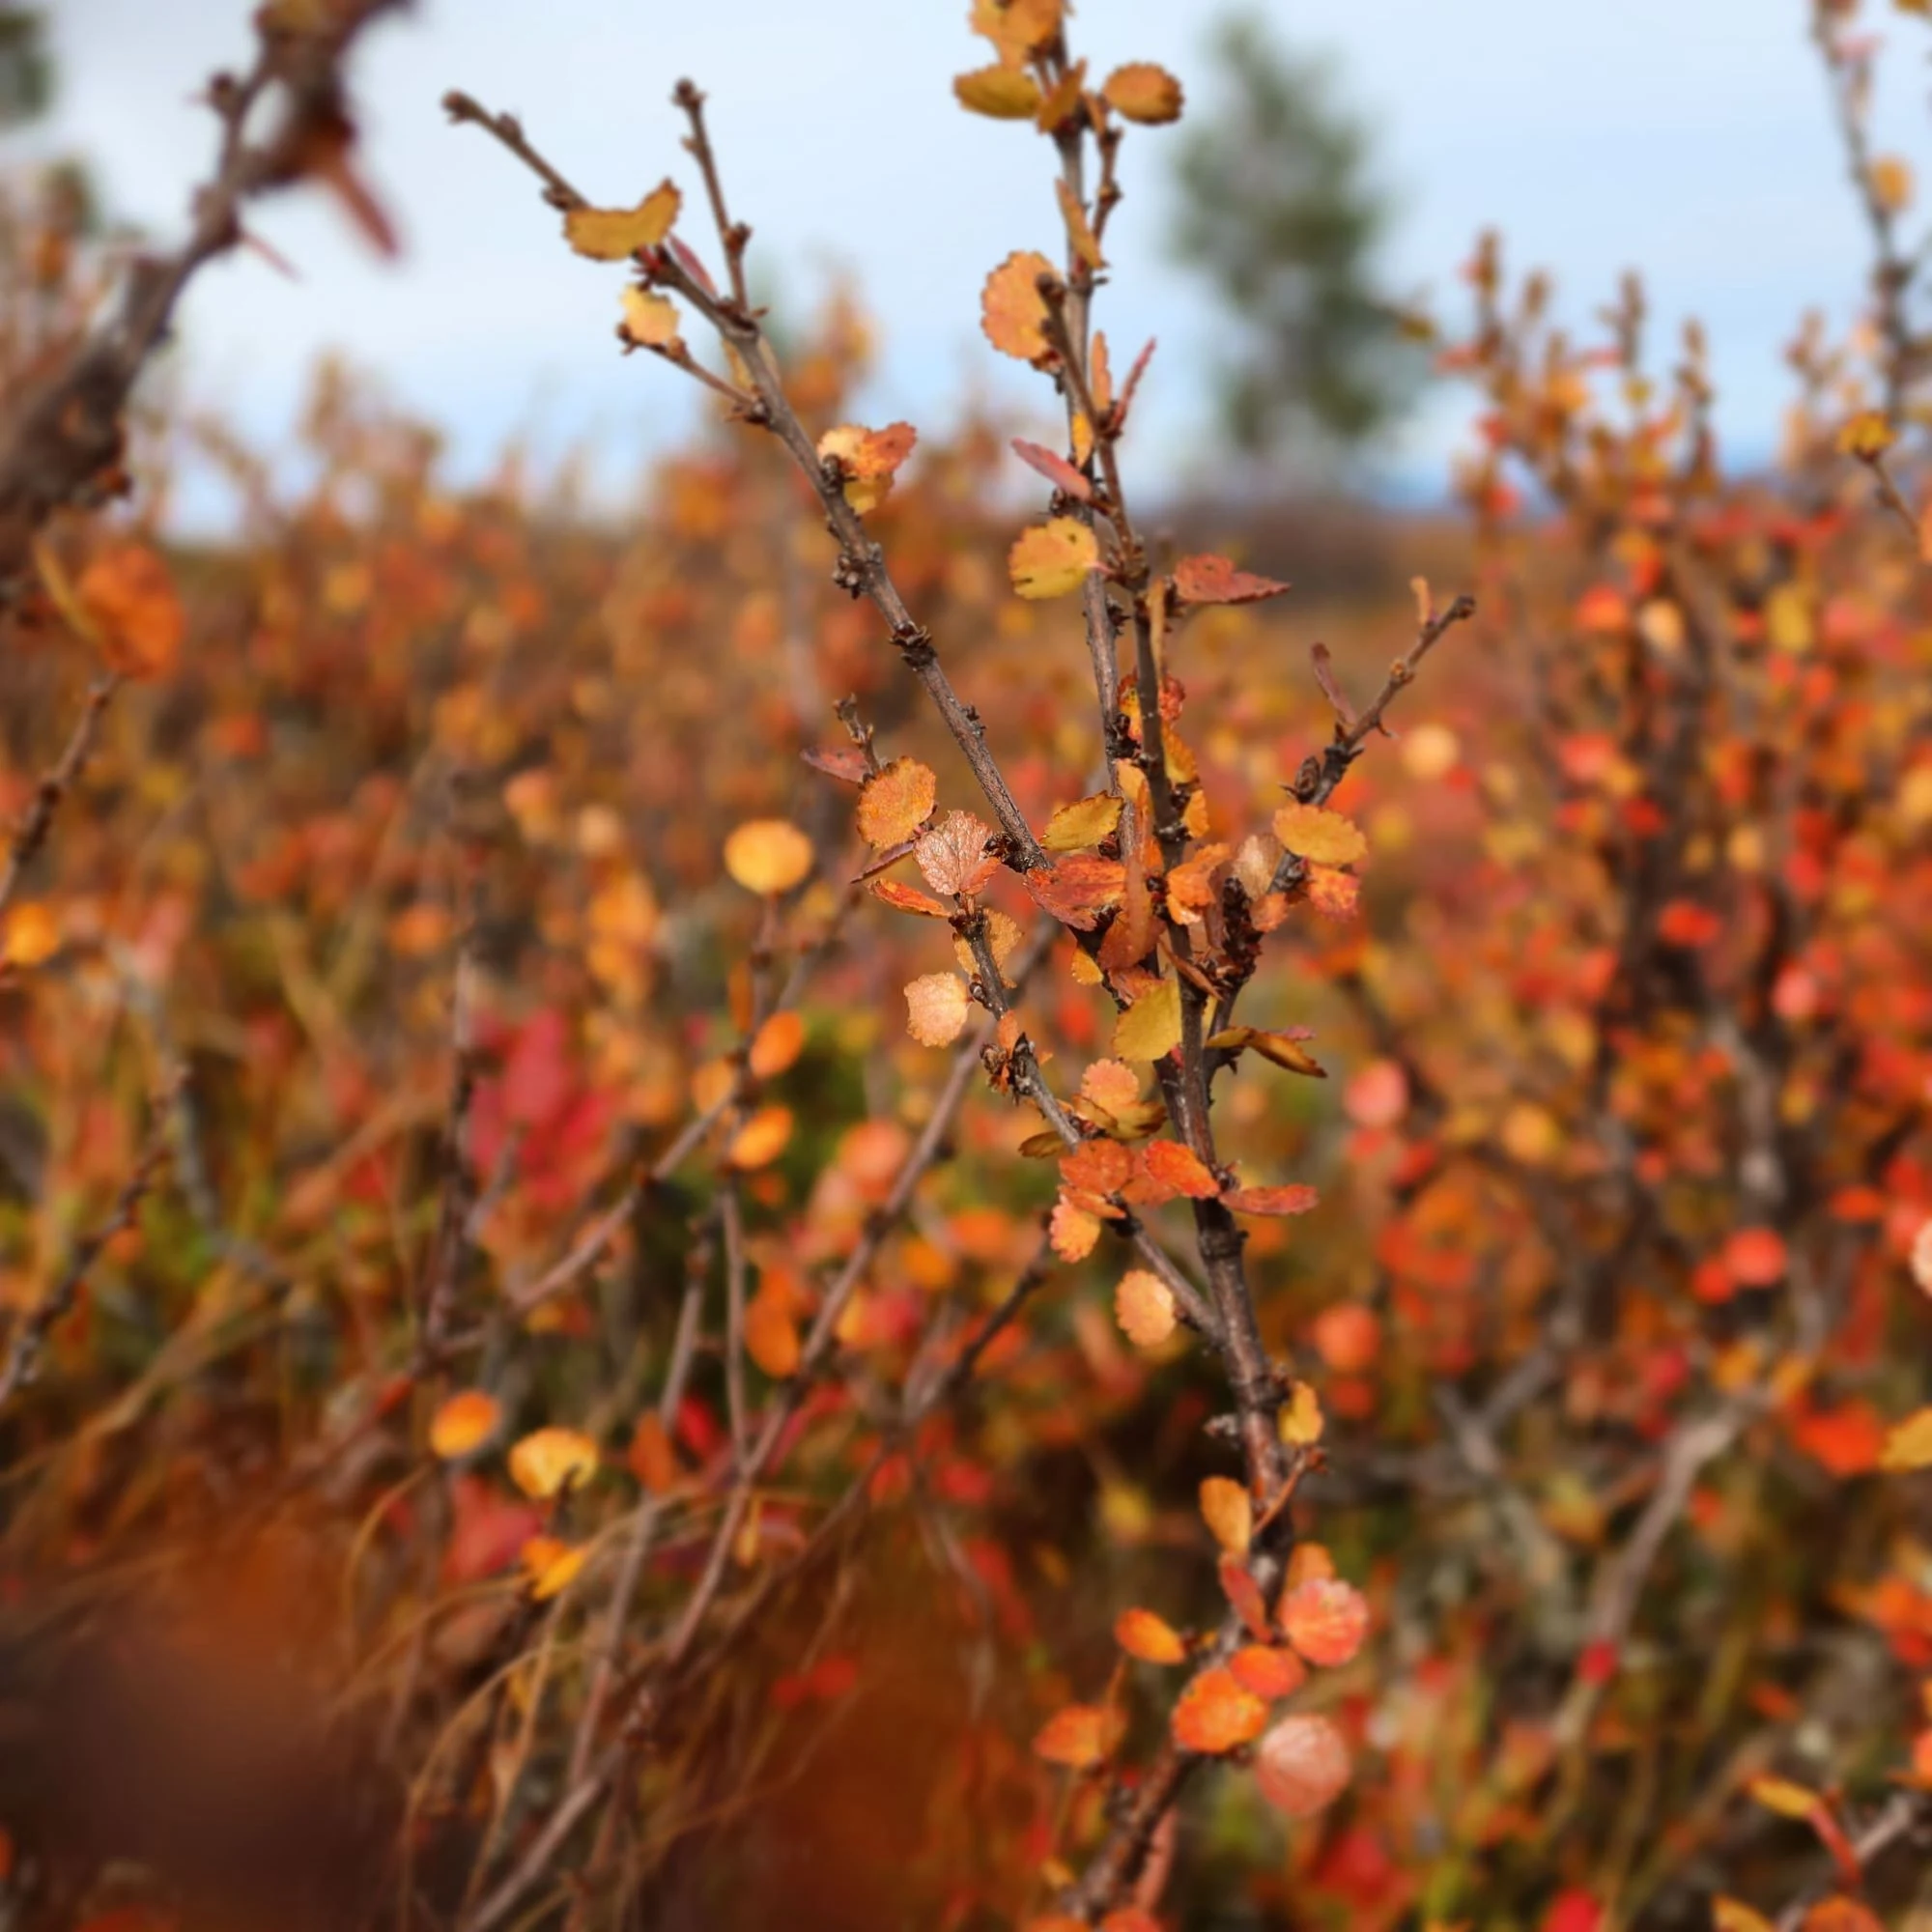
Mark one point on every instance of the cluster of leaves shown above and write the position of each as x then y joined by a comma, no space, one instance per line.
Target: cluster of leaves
735,1305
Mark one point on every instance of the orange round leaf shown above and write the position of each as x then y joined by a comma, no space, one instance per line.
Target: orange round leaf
464,1424
1216,1713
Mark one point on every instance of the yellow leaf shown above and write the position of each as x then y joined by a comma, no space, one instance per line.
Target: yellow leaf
609,233
1228,1513
549,1461
1017,28
760,1140
1787,619
1053,557
1144,93
1001,93
895,802
1079,234
936,1008
1326,838
1300,1421
1867,435
768,855
1151,1026
650,320
1084,822
464,1422
1781,1794
1909,1446
1892,184
1732,1914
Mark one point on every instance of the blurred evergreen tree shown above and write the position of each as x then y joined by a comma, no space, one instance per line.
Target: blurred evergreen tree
1280,210
26,67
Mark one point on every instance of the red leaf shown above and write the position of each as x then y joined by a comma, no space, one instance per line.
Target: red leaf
1057,470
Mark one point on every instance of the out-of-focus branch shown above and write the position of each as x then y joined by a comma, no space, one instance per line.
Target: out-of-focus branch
61,444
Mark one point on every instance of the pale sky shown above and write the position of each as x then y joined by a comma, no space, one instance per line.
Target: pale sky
1691,138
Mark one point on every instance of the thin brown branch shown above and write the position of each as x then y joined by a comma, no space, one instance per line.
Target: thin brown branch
32,832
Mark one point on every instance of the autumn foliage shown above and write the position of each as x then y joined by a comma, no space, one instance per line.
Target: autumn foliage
853,1211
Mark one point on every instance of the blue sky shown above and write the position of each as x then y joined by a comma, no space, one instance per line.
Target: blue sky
1690,138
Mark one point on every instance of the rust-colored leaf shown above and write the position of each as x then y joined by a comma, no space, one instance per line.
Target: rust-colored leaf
1213,580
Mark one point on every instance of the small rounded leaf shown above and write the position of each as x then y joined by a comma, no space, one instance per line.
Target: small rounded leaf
1324,837
1144,93
936,1008
760,1140
1228,1513
1217,1712
768,855
895,801
549,1461
1011,311
1144,1307
1000,93
1326,1620
464,1424
1151,1638
1302,1765
1053,558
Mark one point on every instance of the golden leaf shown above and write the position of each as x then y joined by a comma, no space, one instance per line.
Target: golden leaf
1228,1513
1144,93
999,92
1325,837
650,320
1909,1446
768,855
1084,822
610,233
1053,557
549,1461
1150,1028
